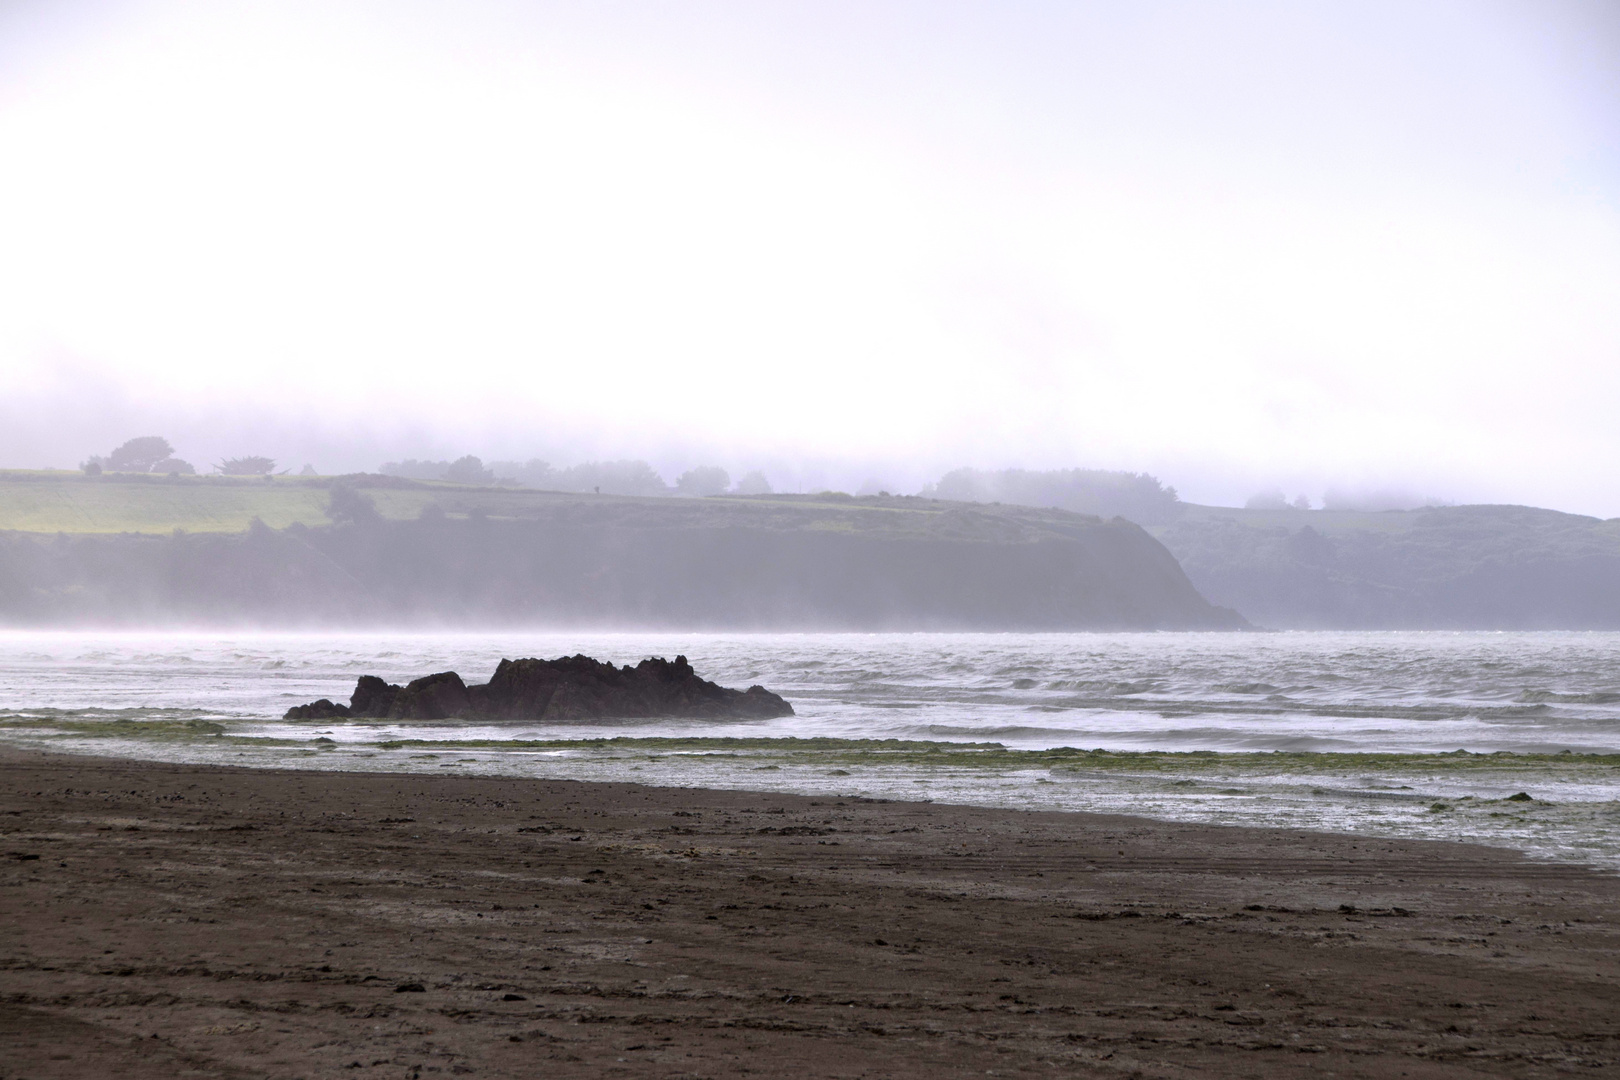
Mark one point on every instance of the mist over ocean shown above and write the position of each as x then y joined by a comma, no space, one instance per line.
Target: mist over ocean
991,719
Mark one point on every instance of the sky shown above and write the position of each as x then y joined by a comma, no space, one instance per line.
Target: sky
1245,246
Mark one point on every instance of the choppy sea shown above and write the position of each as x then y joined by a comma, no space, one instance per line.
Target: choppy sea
1510,739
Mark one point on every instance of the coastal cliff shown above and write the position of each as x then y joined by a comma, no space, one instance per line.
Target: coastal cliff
496,558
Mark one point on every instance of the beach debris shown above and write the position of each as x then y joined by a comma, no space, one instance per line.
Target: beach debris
568,688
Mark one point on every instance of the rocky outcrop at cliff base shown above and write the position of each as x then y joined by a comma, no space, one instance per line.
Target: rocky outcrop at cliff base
568,688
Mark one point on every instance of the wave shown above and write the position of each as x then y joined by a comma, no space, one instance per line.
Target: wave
1600,697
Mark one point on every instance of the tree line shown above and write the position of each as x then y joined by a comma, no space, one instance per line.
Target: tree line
154,454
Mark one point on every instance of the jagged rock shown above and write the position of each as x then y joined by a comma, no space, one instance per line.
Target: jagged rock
317,710
372,697
432,697
566,689
580,688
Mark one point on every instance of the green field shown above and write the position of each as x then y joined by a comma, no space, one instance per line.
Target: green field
70,502
50,502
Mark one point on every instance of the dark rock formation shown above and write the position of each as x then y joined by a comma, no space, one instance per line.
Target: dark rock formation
565,689
432,697
323,709
372,697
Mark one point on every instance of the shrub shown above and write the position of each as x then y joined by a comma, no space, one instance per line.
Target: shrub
349,506
246,466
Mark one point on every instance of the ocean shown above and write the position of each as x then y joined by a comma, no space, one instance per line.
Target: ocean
1510,739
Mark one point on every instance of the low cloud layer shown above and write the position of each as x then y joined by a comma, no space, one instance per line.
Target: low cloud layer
1302,247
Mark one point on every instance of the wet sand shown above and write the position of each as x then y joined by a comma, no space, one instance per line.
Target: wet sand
169,920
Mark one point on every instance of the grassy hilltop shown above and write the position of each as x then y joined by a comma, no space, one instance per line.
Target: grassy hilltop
136,549
70,502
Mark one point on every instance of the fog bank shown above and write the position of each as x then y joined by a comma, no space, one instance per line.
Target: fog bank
1298,246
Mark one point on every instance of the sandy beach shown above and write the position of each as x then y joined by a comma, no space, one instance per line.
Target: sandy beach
170,920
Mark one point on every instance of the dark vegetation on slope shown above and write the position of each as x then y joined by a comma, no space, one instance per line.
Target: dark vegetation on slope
1454,567
474,556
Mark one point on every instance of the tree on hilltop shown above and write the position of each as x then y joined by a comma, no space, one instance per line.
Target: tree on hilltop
611,478
604,477
754,483
468,470
138,455
464,470
703,480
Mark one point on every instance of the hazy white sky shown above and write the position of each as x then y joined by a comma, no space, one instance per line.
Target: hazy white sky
1238,245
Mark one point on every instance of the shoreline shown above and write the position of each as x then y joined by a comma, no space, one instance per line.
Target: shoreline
1546,806
228,921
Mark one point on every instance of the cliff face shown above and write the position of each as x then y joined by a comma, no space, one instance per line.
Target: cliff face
776,564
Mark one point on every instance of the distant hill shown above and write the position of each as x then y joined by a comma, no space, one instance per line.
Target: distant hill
373,550
1455,567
